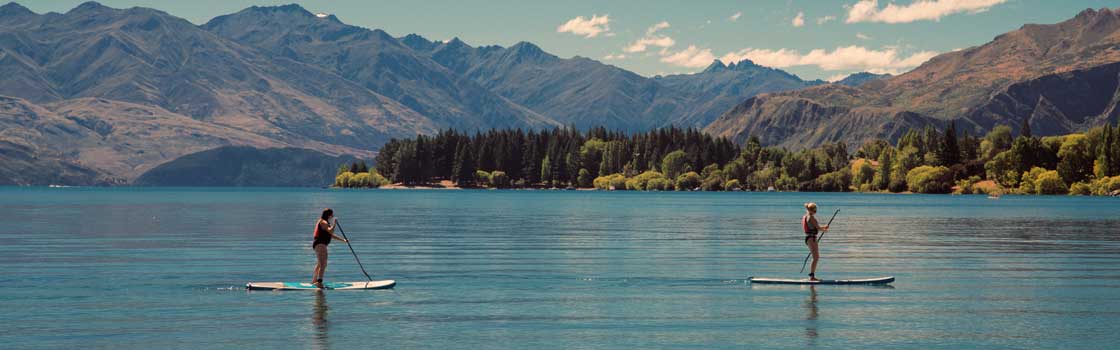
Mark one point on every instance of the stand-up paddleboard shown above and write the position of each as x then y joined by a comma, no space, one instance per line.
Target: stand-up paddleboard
877,280
385,284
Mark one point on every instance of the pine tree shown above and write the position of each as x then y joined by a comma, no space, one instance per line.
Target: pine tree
463,169
950,151
883,177
1025,128
546,171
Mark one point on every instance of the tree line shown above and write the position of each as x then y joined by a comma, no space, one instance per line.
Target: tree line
927,160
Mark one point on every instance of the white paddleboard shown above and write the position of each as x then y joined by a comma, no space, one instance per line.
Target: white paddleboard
876,280
384,284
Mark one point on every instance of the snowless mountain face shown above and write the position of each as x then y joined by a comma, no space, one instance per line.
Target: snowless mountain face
101,95
1062,77
587,93
285,77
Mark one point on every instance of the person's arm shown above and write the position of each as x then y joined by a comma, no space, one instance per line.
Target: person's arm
330,230
813,221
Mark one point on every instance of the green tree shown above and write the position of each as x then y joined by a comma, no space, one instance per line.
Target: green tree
950,152
499,179
929,179
585,179
674,164
1050,182
1076,159
997,140
865,173
883,177
688,181
463,168
546,171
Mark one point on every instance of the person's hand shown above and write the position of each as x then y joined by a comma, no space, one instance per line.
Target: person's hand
346,240
824,228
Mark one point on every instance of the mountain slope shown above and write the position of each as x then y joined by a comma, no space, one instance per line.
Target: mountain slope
720,87
378,62
996,83
246,166
586,93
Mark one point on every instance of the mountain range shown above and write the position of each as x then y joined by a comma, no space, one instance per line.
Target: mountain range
285,77
99,95
1061,77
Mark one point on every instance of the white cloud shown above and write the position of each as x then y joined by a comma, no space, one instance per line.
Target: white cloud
588,28
837,77
862,36
869,11
799,20
651,39
825,19
692,57
735,17
846,58
614,57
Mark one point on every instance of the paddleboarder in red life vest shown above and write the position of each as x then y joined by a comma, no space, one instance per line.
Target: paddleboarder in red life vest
810,226
324,231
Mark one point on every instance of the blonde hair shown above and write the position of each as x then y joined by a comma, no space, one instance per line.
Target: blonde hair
811,207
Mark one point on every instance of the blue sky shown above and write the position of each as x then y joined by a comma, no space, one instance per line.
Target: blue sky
811,38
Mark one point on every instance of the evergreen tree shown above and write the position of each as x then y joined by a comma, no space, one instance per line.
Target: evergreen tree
463,169
546,171
883,176
949,150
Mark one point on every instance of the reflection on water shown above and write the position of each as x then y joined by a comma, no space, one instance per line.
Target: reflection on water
811,314
320,340
137,269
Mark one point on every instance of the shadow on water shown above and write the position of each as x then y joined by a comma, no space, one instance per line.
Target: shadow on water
319,321
811,314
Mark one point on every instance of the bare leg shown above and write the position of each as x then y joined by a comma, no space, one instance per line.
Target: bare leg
815,251
321,262
321,254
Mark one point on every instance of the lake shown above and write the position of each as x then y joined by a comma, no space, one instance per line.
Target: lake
143,268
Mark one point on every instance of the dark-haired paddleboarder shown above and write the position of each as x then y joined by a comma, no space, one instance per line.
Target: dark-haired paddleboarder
324,231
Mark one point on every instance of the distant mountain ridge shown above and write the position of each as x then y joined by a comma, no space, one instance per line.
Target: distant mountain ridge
1060,76
103,95
280,76
587,93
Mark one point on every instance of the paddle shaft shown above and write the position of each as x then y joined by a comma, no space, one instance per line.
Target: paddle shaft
352,250
818,240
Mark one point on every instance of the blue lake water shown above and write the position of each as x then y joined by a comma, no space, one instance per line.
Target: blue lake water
128,268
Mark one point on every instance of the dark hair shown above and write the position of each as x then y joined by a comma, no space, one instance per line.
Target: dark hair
327,213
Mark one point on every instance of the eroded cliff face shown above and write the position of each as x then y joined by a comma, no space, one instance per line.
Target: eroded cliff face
1061,76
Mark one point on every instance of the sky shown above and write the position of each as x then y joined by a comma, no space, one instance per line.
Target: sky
815,39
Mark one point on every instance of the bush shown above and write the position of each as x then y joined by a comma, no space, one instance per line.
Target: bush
359,180
618,181
605,182
836,181
786,183
343,179
732,185
1028,181
499,179
481,177
659,184
640,182
688,181
1105,185
376,180
712,184
1080,189
1051,183
929,179
585,179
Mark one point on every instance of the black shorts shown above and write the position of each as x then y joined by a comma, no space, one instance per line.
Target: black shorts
809,237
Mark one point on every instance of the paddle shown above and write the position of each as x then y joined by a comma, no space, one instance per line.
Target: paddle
818,240
336,224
